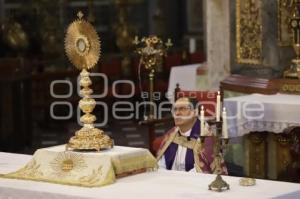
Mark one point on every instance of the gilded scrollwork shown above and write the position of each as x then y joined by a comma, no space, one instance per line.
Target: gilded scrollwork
283,152
30,171
290,88
284,10
94,177
257,154
248,31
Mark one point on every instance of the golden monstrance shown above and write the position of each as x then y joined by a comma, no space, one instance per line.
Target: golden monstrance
82,46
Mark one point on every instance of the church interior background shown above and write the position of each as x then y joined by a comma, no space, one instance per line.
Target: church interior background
245,47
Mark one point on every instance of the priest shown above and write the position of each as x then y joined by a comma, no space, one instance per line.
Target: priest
180,149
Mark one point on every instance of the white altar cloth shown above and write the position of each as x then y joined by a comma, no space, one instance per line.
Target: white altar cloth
93,169
258,112
161,184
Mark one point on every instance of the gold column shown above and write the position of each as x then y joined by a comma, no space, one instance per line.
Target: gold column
257,158
283,154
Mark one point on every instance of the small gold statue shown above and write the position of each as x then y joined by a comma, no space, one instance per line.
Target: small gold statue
82,47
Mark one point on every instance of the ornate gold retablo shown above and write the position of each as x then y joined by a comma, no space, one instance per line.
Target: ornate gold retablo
293,71
82,46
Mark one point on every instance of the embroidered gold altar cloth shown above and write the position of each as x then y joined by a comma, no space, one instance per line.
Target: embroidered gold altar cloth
92,169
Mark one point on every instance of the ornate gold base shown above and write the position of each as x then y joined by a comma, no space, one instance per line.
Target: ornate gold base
89,139
294,70
218,184
291,74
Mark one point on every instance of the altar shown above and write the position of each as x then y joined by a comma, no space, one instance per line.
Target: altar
157,184
261,111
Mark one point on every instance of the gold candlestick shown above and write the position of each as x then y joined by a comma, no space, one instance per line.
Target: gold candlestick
220,144
82,47
151,49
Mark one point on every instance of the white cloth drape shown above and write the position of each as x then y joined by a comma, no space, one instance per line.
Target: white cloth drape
161,184
257,112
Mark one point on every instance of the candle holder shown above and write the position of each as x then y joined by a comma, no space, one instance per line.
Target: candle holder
220,144
151,49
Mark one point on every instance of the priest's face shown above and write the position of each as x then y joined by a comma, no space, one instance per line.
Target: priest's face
183,112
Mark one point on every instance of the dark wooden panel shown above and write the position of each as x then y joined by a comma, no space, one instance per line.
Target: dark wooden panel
244,84
15,115
248,85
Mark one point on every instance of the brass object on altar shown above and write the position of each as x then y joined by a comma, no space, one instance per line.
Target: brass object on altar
82,47
247,181
248,31
294,69
151,49
218,184
220,144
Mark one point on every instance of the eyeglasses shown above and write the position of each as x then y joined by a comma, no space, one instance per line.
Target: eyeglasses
181,109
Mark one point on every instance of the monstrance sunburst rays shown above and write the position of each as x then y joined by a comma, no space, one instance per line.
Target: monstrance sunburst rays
82,44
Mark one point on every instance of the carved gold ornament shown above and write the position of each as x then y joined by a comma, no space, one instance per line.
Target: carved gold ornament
82,46
248,31
284,10
290,88
293,70
151,49
15,36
